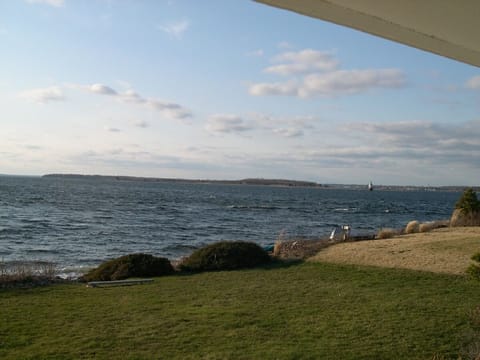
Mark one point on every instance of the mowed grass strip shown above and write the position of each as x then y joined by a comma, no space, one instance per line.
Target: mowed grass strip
307,311
445,250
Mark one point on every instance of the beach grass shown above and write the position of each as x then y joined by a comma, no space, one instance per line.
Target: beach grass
445,250
299,311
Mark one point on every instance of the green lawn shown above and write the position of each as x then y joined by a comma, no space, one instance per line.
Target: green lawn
307,311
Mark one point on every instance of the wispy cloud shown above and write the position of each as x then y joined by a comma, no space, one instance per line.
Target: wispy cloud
140,123
175,29
284,45
303,61
336,83
54,3
166,108
44,95
169,109
227,124
237,125
112,129
345,82
290,88
473,83
256,53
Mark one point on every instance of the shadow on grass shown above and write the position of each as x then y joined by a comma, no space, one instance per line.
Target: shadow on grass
281,263
274,264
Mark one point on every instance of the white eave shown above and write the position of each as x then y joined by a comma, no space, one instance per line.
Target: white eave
449,28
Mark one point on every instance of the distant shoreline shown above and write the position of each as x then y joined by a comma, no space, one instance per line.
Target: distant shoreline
263,182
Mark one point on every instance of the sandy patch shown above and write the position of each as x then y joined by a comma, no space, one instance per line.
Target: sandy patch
446,250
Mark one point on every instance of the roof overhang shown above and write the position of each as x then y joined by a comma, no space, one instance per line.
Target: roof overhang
445,27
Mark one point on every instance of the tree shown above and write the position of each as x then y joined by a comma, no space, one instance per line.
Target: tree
468,202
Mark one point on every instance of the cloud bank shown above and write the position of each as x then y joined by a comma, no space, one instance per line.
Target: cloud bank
320,76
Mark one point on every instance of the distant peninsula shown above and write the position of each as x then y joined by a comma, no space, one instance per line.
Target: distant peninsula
264,182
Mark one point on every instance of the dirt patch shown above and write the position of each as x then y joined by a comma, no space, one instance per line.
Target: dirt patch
446,250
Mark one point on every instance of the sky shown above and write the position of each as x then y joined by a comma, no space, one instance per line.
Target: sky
232,89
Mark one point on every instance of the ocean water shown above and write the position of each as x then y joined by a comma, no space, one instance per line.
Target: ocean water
78,223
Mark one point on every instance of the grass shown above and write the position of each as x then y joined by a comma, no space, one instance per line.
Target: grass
446,250
306,311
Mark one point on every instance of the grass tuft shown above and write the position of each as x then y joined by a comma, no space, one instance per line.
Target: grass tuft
26,273
386,233
412,227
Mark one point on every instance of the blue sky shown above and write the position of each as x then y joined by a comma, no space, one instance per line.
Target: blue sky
226,90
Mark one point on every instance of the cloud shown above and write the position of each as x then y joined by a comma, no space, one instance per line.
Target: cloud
54,3
284,45
436,144
140,124
304,61
171,110
176,29
289,127
289,132
473,83
344,82
256,53
335,83
280,88
166,108
316,73
102,89
112,129
132,97
227,124
44,95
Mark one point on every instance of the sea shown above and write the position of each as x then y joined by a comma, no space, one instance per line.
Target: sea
77,223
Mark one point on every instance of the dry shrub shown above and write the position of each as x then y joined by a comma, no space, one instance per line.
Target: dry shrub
463,218
386,233
279,244
412,227
277,248
432,225
26,272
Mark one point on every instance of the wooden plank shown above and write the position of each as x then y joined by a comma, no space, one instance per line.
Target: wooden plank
118,282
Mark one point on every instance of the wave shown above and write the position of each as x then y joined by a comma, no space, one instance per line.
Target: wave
254,207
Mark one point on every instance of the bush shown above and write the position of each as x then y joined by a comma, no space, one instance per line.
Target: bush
225,255
468,202
133,265
476,257
474,271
